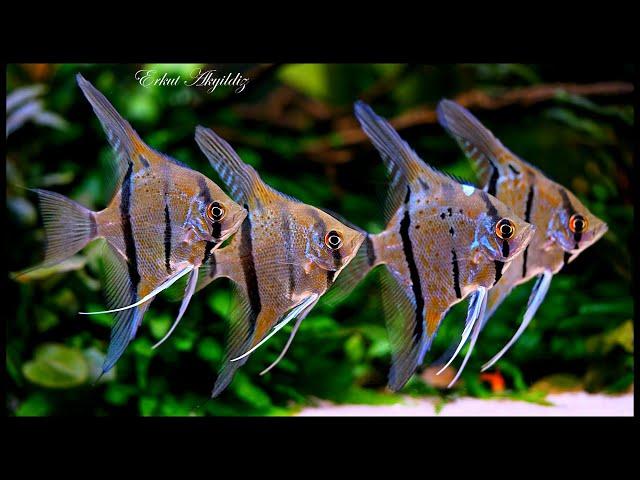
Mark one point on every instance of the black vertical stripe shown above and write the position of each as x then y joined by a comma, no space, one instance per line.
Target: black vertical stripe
167,238
216,227
127,232
405,223
216,230
456,274
330,277
247,263
505,248
205,194
566,202
492,211
337,258
499,265
212,266
371,255
527,218
288,231
493,181
525,254
566,258
93,225
208,248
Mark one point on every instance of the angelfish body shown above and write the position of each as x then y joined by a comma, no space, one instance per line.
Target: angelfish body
158,225
564,226
439,246
282,260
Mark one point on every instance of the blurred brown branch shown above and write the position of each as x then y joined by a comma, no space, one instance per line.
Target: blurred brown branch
324,151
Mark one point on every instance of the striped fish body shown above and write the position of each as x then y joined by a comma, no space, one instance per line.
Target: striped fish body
269,259
564,226
284,257
161,224
440,245
536,198
158,220
433,245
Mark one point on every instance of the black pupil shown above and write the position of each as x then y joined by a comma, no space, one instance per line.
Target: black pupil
334,240
506,229
217,211
578,224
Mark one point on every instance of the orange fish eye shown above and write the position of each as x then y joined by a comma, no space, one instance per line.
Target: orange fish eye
505,229
577,223
216,211
333,240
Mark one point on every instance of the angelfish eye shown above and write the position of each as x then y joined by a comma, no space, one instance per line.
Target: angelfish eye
333,240
577,223
505,229
216,211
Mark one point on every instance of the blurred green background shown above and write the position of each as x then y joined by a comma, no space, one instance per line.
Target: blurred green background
294,123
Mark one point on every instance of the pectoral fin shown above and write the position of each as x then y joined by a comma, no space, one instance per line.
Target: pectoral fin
297,310
477,328
191,287
163,286
535,300
477,306
301,317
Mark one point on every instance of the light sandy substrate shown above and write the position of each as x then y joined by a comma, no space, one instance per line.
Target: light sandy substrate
564,404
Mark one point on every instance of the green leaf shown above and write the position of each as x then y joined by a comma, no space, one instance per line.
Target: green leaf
147,405
36,405
220,302
354,348
311,78
118,394
57,366
159,325
73,263
249,392
210,350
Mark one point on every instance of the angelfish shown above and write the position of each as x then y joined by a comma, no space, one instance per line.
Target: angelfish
282,260
443,241
162,224
565,227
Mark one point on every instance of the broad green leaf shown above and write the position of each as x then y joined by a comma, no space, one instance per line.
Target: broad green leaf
311,78
57,366
73,263
36,405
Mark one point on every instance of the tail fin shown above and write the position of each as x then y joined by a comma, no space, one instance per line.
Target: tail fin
68,226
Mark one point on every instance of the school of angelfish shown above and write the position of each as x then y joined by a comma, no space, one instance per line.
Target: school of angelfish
444,240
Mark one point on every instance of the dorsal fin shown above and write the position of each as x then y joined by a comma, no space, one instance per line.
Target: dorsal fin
403,164
244,183
491,159
122,137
